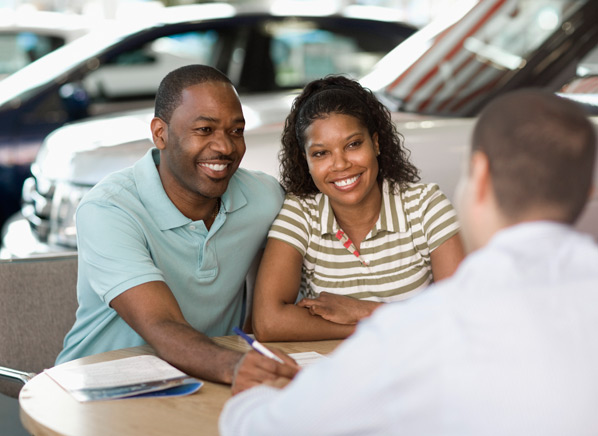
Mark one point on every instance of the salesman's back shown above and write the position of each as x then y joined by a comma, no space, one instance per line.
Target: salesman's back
507,346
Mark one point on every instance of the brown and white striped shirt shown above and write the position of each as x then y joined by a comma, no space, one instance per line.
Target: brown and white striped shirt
395,255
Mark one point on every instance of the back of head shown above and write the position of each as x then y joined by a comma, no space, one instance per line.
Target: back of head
541,150
171,87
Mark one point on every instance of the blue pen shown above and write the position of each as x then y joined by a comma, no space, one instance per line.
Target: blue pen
257,346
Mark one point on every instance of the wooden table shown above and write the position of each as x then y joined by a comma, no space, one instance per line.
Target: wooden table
46,409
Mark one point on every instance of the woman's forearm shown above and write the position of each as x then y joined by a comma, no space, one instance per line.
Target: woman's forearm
288,322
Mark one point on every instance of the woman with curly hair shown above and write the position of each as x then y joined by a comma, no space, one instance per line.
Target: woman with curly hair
357,228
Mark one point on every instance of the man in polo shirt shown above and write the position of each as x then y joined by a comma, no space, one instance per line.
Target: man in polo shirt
164,246
508,344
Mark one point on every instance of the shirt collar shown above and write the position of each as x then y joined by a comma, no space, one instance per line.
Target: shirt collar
529,231
392,212
391,219
156,201
329,224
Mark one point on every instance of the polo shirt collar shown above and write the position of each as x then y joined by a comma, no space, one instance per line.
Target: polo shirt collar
392,212
156,201
392,215
329,224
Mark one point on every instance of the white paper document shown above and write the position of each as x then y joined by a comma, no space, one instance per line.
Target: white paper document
122,378
307,358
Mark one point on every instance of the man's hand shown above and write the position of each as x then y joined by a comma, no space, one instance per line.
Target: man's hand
254,369
338,308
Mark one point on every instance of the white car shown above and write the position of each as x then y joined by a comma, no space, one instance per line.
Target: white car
435,82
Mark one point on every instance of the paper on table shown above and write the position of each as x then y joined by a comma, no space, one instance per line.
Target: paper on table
307,358
119,378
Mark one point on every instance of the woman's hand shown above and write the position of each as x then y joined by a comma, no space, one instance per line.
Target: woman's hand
338,308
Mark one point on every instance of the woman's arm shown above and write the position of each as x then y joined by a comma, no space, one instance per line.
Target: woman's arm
345,310
446,258
339,308
275,315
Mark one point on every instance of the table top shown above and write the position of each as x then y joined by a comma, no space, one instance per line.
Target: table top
46,409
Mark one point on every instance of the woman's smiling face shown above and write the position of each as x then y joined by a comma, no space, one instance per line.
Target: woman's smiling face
341,156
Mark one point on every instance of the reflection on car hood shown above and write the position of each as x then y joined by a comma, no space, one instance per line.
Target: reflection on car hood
86,151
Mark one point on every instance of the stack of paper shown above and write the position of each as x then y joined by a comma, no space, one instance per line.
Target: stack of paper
133,376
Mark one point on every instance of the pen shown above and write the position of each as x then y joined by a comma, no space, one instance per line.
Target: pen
257,346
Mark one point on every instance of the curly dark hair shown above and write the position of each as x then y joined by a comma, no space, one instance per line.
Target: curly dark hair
341,95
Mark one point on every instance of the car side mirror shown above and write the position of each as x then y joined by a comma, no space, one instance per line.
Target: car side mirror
75,99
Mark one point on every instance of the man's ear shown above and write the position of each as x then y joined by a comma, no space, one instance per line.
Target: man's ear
159,132
480,176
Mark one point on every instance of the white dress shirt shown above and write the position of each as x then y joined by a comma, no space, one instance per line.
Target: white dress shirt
507,346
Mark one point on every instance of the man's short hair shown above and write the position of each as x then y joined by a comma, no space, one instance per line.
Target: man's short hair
540,149
168,97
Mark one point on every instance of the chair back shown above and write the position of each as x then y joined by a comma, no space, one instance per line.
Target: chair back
38,301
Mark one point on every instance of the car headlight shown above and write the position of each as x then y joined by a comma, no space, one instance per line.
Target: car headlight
63,230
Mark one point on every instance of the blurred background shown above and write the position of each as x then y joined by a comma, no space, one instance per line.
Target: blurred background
418,12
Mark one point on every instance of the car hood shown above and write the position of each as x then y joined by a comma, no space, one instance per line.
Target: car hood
84,152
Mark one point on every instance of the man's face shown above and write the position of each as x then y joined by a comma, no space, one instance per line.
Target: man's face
203,143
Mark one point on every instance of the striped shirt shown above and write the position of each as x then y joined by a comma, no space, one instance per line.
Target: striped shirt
394,258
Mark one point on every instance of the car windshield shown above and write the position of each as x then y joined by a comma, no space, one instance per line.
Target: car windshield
460,61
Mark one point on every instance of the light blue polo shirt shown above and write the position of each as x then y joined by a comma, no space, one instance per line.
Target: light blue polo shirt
130,233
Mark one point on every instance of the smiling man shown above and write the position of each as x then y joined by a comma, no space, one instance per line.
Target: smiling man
164,246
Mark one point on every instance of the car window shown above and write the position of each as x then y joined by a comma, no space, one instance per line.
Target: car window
302,51
136,72
22,48
103,72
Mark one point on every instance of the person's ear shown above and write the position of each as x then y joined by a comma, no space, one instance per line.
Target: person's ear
376,144
481,180
159,130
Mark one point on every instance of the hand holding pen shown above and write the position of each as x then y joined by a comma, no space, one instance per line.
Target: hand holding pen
253,370
257,346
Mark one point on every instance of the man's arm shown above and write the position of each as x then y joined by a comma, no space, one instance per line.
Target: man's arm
153,312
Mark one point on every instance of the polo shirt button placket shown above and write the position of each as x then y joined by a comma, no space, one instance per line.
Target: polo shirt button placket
365,262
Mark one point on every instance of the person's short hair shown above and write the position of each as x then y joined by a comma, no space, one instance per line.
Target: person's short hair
169,94
540,149
340,95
